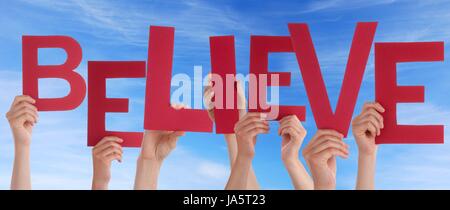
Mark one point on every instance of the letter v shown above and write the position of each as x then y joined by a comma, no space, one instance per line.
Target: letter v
314,83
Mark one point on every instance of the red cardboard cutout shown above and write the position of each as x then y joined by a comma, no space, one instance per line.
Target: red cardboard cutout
98,104
223,62
315,85
159,115
260,47
388,93
32,71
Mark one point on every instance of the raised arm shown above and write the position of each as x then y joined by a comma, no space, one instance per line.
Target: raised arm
293,133
366,126
252,182
246,131
22,116
156,146
320,155
106,150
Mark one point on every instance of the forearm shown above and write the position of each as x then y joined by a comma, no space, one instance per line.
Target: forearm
252,183
366,172
232,147
21,178
99,185
299,176
239,174
147,173
101,177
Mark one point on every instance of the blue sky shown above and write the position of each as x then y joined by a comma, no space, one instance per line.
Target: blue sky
118,30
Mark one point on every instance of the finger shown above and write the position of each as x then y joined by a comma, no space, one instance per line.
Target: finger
107,139
374,122
179,106
374,105
111,150
208,79
292,133
107,146
112,157
374,113
178,133
290,118
324,137
371,127
255,131
32,112
103,143
209,104
292,121
25,118
317,140
21,98
249,118
330,132
296,128
373,130
255,124
330,144
22,105
331,152
241,100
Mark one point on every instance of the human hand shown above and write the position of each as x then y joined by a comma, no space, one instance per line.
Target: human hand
366,126
107,150
22,116
157,145
293,134
320,155
247,129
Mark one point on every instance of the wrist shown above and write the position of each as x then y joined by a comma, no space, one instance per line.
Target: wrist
100,182
149,159
290,162
367,154
244,158
20,148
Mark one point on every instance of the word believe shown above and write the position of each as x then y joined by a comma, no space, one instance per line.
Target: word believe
158,71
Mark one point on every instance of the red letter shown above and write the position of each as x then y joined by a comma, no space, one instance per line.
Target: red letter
223,63
388,94
32,71
98,104
159,115
260,46
314,84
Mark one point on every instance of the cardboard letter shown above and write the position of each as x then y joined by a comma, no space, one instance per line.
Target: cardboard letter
260,47
315,85
388,93
98,104
32,71
159,115
223,63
